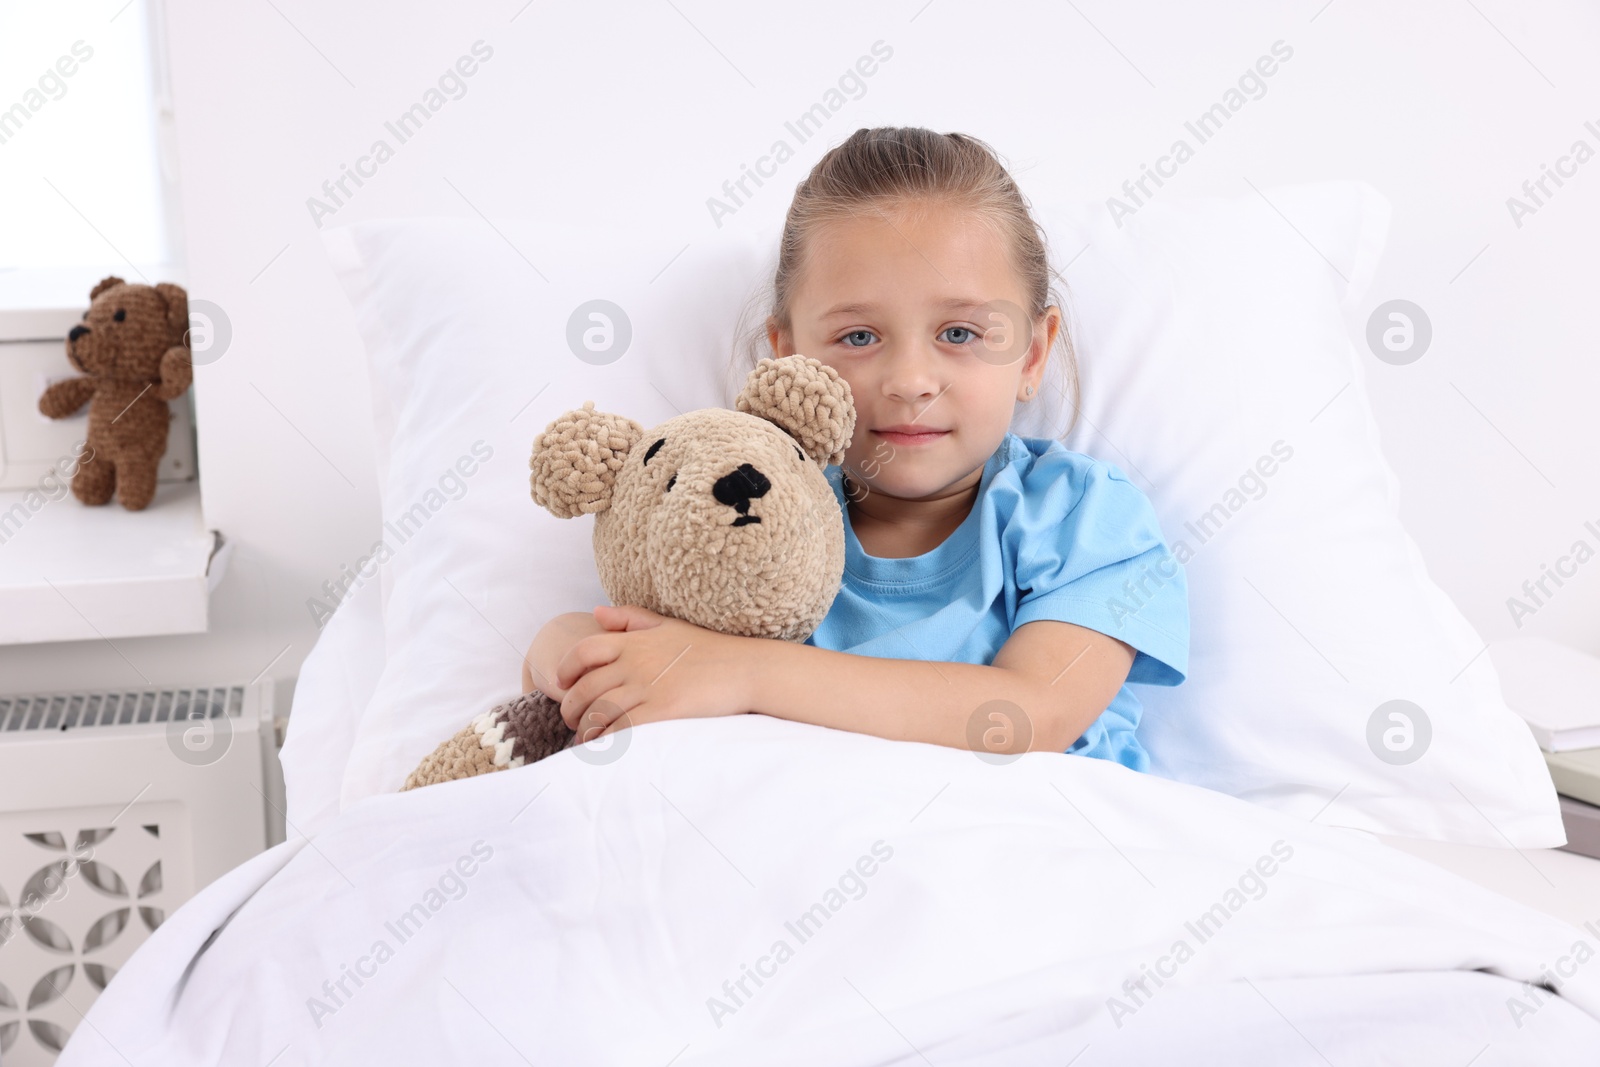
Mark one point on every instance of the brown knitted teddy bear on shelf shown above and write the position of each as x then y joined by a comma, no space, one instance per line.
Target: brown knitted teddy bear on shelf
723,519
133,345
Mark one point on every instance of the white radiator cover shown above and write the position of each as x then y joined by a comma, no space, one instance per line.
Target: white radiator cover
115,808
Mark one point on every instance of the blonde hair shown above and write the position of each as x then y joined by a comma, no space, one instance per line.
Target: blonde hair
903,168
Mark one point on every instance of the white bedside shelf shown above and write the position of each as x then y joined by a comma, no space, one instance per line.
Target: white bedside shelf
74,573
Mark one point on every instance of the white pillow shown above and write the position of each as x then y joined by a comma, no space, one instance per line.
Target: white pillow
336,681
1219,373
1207,331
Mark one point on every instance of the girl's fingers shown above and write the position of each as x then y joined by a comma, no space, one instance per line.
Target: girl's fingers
583,694
628,617
610,618
584,656
606,712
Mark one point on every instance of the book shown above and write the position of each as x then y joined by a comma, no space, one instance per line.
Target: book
1583,827
1576,774
1554,688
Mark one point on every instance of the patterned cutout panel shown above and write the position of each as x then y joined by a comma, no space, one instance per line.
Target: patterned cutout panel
80,889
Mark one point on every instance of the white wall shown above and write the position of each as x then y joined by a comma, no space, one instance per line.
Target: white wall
633,114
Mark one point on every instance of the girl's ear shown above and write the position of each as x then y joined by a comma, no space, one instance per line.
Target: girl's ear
776,339
808,399
575,461
1042,339
1054,321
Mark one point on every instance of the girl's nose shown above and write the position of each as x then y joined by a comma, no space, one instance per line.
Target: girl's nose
911,376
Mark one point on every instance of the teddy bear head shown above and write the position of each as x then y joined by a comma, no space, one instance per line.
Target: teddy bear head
127,329
720,518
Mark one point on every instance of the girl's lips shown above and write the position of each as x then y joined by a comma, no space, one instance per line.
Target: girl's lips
897,438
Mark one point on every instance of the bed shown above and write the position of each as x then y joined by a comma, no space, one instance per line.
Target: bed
749,890
613,910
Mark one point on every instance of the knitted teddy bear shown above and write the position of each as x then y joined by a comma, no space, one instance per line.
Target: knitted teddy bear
133,345
723,519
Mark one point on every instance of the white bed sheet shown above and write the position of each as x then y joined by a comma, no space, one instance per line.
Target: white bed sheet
621,895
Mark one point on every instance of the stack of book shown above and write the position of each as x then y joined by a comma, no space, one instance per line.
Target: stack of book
1556,690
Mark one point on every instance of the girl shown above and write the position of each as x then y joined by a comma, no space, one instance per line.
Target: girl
999,591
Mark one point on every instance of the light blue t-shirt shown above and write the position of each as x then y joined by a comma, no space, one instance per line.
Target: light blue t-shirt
1053,534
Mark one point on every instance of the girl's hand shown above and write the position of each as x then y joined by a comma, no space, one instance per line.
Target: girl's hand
552,641
647,667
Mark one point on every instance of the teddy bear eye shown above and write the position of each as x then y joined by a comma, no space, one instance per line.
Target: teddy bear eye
653,448
671,480
120,315
801,454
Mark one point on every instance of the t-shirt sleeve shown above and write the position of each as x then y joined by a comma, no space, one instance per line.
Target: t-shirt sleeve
1089,551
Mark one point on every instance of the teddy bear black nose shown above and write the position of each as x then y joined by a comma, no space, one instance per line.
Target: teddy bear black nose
737,488
76,332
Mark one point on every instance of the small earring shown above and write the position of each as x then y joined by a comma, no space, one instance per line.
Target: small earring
1028,391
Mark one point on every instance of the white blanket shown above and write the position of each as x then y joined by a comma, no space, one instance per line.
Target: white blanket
748,890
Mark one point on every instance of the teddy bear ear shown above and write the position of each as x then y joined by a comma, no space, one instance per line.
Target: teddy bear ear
177,311
105,283
576,460
807,398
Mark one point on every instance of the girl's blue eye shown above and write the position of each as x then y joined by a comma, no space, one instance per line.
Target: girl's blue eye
857,334
970,334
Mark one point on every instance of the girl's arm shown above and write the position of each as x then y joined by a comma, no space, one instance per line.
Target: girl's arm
551,643
1046,685
1054,678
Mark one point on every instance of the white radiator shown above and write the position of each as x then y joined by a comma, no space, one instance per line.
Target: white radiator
115,808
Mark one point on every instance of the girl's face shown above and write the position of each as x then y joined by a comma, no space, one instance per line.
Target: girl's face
922,313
